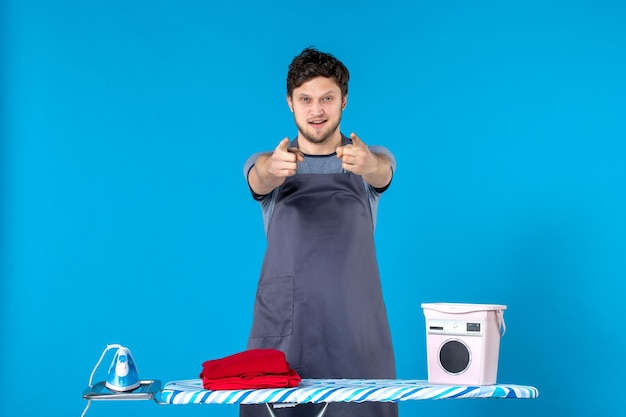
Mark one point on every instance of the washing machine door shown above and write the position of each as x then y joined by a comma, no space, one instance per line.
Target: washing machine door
454,356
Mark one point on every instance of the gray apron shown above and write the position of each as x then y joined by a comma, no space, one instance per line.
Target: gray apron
319,297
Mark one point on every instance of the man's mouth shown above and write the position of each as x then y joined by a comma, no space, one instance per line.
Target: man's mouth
318,123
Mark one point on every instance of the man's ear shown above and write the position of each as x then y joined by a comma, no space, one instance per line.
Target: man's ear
344,102
290,102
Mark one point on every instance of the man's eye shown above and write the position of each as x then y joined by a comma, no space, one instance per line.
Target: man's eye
305,99
327,98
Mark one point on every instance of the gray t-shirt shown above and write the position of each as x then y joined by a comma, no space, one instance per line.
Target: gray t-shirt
319,164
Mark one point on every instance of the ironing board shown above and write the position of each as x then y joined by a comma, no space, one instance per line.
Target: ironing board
320,391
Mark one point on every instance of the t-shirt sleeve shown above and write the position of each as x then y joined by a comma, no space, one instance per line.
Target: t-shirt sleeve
392,160
247,166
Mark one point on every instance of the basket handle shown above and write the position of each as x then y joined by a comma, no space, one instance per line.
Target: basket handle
501,322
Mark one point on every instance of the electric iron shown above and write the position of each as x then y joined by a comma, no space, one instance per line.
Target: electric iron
123,375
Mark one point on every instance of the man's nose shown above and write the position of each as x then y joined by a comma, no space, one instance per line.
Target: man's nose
317,108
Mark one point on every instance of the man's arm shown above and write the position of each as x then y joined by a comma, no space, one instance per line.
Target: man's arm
381,177
375,168
271,169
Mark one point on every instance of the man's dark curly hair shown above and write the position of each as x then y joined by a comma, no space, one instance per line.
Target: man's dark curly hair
312,63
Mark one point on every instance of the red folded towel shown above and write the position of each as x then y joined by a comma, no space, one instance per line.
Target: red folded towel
286,380
254,368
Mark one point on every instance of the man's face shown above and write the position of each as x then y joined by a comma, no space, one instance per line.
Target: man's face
317,106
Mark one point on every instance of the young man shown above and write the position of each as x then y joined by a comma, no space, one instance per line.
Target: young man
319,297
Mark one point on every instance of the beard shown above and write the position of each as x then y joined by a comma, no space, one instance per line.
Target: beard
318,137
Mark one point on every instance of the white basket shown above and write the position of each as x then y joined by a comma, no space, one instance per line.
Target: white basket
463,342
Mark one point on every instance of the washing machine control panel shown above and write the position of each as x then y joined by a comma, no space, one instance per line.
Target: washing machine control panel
454,327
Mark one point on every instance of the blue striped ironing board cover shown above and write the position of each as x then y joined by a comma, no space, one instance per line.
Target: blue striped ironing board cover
337,390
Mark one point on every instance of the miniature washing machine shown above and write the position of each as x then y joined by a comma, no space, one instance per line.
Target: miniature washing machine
463,342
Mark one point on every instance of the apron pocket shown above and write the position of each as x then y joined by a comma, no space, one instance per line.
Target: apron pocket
273,309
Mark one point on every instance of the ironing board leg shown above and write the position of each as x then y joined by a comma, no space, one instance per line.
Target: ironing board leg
322,411
272,414
270,410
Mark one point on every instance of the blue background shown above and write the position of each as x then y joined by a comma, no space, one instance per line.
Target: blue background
126,217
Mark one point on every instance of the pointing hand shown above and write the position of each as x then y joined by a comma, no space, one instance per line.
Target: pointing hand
357,157
284,160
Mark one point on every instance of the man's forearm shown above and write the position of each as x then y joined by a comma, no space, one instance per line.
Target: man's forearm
261,181
381,176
